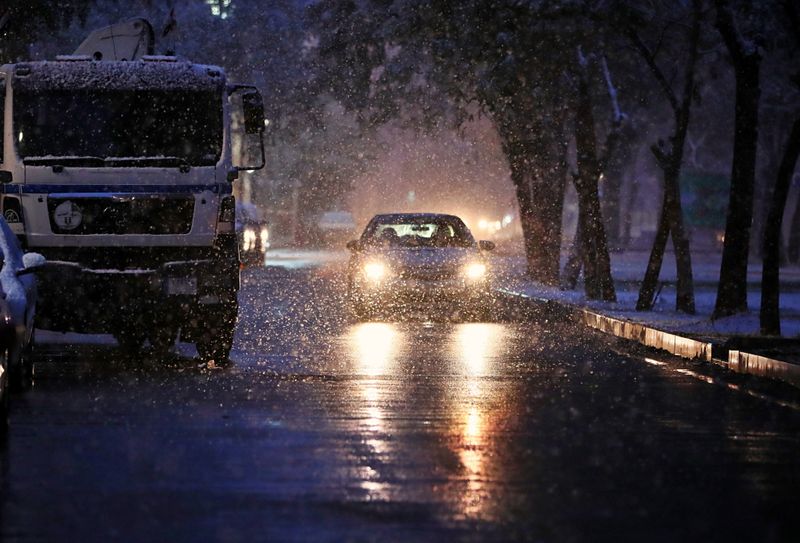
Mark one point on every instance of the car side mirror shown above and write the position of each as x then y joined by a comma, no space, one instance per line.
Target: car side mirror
32,263
354,245
486,245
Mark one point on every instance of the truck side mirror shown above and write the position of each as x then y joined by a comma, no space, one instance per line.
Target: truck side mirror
354,245
253,109
6,177
32,263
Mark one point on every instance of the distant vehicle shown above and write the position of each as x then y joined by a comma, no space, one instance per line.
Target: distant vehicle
423,261
253,233
17,312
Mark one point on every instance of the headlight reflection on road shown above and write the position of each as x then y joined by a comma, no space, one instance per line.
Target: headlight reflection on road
375,346
475,348
477,344
473,456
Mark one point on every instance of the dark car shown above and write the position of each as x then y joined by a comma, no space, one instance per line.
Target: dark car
7,345
17,312
418,261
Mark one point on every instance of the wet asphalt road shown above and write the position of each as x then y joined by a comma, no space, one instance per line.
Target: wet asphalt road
325,429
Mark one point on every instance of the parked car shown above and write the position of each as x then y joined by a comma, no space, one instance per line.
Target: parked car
7,339
423,261
17,312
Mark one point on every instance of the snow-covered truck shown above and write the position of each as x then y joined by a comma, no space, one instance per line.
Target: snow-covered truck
120,172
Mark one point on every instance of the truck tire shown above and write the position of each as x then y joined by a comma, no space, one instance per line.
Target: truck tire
163,331
215,340
130,340
162,338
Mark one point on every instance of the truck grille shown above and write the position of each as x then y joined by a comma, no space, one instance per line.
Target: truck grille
124,214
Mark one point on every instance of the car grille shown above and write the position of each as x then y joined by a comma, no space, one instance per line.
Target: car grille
121,215
428,273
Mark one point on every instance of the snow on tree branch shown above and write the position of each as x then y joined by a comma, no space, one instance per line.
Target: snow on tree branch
619,115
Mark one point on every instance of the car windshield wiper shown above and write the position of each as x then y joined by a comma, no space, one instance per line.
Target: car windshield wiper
64,161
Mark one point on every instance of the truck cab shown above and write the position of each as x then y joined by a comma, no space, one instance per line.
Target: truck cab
121,174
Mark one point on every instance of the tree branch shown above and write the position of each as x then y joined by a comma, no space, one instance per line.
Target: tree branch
688,76
738,49
650,60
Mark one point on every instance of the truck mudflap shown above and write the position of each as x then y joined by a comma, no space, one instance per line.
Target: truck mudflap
107,300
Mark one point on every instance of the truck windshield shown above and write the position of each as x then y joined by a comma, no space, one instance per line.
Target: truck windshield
114,124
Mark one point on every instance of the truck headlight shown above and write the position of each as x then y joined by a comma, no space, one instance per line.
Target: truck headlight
475,271
375,271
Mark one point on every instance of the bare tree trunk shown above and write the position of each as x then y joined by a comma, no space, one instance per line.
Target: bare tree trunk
732,289
770,277
793,244
671,219
612,196
684,300
598,283
548,204
647,289
572,269
540,198
526,213
627,222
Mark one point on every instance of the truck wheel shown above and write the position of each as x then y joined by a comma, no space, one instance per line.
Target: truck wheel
162,338
130,340
215,340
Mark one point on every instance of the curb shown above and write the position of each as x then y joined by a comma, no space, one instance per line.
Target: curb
678,345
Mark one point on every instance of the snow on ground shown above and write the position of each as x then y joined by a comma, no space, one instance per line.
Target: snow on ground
628,269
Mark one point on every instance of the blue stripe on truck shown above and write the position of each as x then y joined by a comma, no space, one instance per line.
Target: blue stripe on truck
15,188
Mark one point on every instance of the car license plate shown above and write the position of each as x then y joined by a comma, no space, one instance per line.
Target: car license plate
181,286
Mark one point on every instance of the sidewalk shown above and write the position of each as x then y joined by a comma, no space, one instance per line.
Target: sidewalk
733,342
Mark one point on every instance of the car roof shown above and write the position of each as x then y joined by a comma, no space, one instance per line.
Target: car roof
413,216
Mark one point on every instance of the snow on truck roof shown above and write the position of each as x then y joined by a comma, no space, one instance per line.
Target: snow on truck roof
146,74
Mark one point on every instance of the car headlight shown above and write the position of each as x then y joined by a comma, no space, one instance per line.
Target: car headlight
249,239
475,271
264,239
375,271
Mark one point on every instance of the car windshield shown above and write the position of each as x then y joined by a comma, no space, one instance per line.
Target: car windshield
118,124
418,232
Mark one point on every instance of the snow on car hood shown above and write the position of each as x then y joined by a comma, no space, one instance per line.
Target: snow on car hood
425,257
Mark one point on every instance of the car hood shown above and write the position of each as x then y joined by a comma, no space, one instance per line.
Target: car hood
429,258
